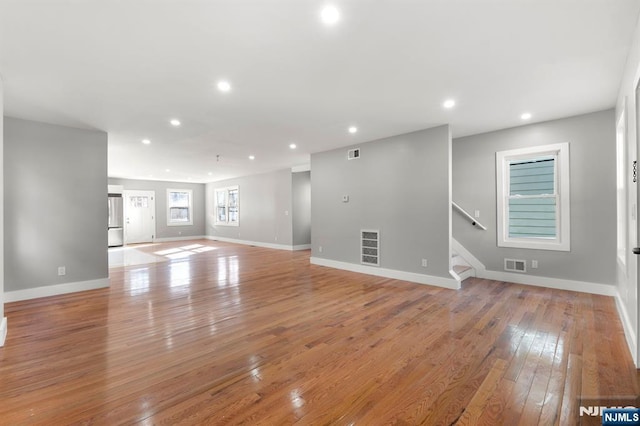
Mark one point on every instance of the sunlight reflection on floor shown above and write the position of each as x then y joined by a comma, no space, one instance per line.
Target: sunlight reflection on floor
127,256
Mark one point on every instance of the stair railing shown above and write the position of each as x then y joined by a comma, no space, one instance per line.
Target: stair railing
472,219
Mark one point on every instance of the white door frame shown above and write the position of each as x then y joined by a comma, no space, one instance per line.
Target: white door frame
634,141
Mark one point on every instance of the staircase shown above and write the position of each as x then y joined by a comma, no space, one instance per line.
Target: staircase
460,268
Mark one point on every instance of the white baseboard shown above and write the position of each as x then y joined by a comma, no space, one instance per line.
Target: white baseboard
187,238
557,283
513,277
54,290
389,273
3,331
251,243
627,325
302,247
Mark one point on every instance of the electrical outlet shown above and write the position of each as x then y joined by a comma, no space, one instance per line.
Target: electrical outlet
320,249
476,214
62,270
534,264
424,263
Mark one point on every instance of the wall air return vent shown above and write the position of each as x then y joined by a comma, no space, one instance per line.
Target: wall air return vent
353,154
515,265
370,247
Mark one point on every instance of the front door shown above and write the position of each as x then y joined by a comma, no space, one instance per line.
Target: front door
139,216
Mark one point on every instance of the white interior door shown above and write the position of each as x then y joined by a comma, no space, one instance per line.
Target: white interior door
139,216
627,176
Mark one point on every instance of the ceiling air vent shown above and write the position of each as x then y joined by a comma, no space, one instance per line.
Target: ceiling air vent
370,247
515,265
353,154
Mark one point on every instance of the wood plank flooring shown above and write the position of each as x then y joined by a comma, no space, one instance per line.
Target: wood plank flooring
228,334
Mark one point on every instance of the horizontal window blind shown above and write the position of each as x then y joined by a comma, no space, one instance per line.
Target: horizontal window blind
532,198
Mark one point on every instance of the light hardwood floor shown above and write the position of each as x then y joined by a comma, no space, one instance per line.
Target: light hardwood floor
246,335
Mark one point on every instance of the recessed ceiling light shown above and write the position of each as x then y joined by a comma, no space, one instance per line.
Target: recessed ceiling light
224,86
252,157
146,141
449,103
210,173
167,170
293,146
329,15
175,122
526,116
353,129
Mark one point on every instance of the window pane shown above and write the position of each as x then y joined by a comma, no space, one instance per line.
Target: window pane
233,197
179,199
233,214
221,198
532,217
179,214
532,177
139,202
222,214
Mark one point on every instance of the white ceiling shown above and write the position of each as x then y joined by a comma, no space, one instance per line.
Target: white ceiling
127,67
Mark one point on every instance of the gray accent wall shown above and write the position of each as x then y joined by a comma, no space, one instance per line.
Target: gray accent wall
160,188
400,186
265,209
592,151
55,192
301,207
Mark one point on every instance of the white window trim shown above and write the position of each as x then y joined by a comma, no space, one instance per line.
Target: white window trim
190,222
215,207
563,240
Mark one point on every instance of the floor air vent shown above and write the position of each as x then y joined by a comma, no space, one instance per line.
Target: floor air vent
370,247
515,265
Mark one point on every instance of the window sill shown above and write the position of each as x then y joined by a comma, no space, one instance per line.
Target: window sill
535,245
180,224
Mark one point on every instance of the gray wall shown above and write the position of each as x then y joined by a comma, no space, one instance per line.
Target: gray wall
301,207
1,201
592,153
401,186
55,183
265,209
160,188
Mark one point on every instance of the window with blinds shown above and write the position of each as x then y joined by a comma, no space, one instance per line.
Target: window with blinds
533,197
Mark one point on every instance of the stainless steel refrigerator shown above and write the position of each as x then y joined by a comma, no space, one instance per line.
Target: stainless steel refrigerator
116,232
